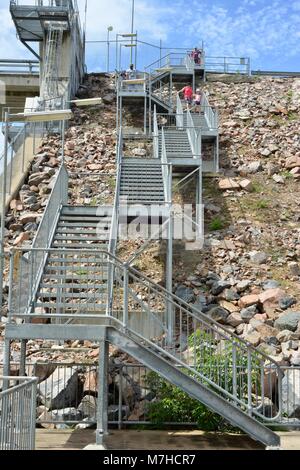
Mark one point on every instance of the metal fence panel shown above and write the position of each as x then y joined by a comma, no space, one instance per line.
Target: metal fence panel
17,413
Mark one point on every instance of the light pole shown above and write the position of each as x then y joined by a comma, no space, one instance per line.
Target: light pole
109,30
132,28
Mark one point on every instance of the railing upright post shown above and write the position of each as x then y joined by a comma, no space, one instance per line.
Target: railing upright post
120,417
249,380
33,414
169,270
24,148
125,295
11,281
102,404
234,371
3,204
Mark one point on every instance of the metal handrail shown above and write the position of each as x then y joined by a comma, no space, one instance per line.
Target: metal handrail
116,207
14,66
225,65
64,4
18,413
155,135
170,60
179,112
195,136
210,115
165,172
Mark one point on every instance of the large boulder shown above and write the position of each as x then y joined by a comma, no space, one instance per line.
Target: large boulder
185,293
291,393
219,286
219,315
63,389
288,321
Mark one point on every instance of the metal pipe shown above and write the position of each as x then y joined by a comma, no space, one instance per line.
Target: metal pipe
132,28
4,176
102,391
169,272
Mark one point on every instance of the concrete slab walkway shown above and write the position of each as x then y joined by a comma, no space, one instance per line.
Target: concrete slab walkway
156,440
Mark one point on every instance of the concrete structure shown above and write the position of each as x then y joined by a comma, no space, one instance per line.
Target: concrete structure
61,57
18,87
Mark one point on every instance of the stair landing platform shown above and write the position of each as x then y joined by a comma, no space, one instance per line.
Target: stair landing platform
53,440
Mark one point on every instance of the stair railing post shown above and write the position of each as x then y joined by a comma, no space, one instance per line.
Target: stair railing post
102,403
169,270
234,371
249,381
125,295
3,204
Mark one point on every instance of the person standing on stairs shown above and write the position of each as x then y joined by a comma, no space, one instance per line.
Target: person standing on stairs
131,73
197,101
188,94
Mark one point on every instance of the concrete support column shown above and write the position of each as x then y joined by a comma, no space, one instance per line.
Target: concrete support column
102,404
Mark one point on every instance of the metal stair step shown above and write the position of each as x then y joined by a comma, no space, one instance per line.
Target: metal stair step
75,269
60,231
75,277
71,246
61,295
92,307
73,286
80,219
62,224
84,238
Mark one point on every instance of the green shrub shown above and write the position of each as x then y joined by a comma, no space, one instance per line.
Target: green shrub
172,405
216,224
214,361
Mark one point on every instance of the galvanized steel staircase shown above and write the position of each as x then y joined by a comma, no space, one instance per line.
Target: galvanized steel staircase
177,143
199,120
142,181
72,281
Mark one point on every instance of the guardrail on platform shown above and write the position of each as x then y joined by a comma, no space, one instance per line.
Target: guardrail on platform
17,413
70,392
19,67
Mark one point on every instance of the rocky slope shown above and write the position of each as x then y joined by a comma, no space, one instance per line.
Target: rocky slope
248,276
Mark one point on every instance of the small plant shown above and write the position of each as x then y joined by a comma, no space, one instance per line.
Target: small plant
257,187
293,116
216,224
287,174
82,272
111,182
94,202
263,204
